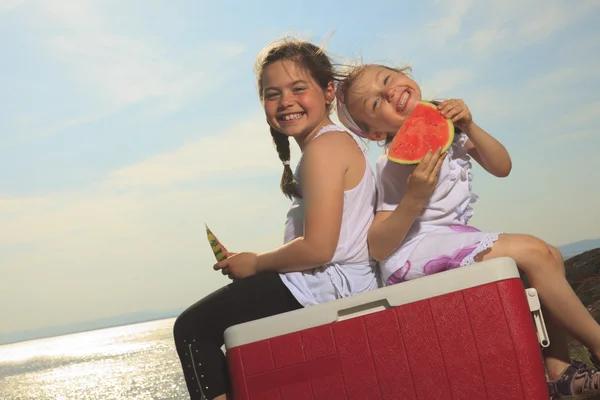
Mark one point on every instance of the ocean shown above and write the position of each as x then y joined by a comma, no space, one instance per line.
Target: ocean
127,362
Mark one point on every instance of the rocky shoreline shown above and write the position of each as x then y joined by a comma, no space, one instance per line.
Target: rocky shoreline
583,273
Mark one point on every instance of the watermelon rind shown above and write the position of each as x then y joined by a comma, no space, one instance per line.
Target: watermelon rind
445,147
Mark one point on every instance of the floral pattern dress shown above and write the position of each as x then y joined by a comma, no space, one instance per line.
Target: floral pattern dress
440,239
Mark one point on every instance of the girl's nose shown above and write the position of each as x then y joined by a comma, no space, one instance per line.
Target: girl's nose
389,94
286,100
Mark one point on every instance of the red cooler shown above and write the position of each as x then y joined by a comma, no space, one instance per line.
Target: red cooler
469,333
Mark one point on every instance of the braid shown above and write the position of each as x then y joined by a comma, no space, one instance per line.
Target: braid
288,184
311,59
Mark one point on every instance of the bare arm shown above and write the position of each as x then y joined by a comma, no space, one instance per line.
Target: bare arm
324,165
487,151
389,228
482,146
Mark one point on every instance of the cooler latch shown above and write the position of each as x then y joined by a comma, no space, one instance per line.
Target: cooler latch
536,310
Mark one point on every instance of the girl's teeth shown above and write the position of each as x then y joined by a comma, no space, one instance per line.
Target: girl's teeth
291,117
403,100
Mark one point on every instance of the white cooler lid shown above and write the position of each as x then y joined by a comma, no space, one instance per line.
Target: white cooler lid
455,280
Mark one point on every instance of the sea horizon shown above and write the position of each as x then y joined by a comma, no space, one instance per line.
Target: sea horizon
568,250
85,330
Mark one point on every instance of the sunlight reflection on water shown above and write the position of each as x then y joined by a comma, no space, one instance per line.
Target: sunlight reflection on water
129,362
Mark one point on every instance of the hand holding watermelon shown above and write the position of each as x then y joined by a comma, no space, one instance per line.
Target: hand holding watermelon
424,177
457,111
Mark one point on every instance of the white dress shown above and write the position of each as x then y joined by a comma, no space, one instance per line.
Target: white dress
440,239
351,270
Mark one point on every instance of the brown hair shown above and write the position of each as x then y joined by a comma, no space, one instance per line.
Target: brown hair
317,63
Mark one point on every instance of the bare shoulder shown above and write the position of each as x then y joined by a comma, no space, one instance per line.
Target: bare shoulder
336,144
337,156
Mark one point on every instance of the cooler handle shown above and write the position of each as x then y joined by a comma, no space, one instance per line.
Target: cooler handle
383,304
363,309
538,318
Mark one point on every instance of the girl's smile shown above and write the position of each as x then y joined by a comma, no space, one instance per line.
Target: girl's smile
294,103
383,99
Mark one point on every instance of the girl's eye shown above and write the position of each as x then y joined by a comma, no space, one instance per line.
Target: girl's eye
375,104
271,95
386,80
298,89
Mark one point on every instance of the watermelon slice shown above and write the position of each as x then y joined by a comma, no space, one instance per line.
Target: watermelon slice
426,128
217,247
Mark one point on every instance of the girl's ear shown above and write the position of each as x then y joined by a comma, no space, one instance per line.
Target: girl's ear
330,93
377,136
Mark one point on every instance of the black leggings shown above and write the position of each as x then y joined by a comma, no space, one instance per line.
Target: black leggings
198,331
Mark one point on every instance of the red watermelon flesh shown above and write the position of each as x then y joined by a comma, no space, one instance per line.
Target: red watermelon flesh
426,128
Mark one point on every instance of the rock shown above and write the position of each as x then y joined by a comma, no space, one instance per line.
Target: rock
583,273
582,267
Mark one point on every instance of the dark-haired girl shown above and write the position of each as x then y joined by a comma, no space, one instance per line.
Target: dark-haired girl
325,255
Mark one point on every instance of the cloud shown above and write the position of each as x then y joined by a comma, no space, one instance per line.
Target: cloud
32,127
138,235
444,82
584,114
212,163
572,136
551,16
451,22
97,253
8,5
485,39
126,70
112,67
500,25
559,89
464,34
522,23
243,149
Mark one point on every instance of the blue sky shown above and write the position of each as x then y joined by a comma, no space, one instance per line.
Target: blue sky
125,125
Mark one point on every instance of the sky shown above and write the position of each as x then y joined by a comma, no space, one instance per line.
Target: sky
127,125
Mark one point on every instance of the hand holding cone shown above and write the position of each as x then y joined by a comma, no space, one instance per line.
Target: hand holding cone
217,247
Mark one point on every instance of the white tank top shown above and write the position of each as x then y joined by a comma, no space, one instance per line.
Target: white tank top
351,269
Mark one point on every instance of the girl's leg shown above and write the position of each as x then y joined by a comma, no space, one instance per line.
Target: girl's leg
198,331
544,268
556,355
